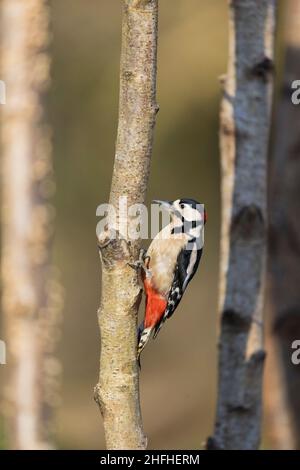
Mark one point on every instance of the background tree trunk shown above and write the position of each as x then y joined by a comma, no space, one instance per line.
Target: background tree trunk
245,122
30,301
278,426
284,225
117,392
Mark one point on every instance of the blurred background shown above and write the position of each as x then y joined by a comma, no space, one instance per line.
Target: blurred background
178,377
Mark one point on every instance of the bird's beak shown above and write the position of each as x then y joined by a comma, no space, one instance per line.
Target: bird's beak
165,204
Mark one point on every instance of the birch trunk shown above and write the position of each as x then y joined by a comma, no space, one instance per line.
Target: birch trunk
26,217
117,392
244,134
285,227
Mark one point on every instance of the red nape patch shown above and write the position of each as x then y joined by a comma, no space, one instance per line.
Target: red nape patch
155,305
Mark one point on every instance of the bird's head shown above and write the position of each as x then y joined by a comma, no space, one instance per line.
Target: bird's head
188,216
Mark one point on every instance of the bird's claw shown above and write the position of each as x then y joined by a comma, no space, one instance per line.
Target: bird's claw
142,262
136,265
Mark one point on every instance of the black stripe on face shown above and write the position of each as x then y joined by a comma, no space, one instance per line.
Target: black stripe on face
186,226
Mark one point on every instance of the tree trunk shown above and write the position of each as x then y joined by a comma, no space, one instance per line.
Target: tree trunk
27,302
244,134
117,392
285,226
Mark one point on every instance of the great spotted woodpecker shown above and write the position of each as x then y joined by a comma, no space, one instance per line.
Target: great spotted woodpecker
170,264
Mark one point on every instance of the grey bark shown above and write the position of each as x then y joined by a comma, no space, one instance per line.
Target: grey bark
29,301
244,134
285,227
117,392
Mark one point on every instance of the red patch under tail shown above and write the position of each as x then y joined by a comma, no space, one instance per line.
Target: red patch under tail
155,305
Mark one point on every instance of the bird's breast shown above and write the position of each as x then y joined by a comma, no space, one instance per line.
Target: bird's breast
163,257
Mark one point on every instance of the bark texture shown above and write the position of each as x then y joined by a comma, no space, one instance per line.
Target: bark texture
244,133
285,226
117,392
29,301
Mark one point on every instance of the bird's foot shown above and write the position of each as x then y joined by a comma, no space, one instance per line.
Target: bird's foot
136,265
142,262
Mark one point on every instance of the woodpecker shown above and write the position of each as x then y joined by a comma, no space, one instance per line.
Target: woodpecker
169,264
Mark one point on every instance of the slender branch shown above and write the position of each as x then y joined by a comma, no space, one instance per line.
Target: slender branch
27,215
117,392
285,228
245,121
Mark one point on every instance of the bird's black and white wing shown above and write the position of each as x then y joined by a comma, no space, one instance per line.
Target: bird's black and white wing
186,267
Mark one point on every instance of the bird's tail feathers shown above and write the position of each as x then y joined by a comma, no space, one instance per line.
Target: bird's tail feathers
157,329
144,335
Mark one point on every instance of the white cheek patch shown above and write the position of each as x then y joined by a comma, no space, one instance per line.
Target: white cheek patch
190,214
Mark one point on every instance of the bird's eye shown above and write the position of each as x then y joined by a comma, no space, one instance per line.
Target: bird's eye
182,206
